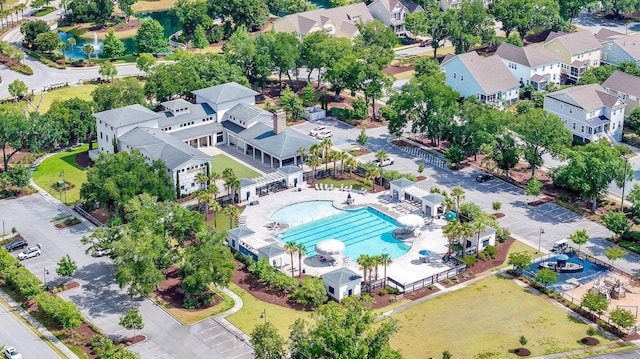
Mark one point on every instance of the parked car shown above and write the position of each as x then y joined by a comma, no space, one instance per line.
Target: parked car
324,134
30,252
426,43
17,243
484,178
317,130
386,162
11,353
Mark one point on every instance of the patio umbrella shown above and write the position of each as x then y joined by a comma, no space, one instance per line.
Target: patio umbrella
425,252
562,257
330,247
410,221
450,216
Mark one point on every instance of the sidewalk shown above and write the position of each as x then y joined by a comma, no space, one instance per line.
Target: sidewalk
36,324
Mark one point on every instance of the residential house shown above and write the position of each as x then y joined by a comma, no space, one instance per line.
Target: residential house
531,65
626,87
449,4
578,51
341,283
605,34
486,78
621,48
338,21
222,115
588,111
393,12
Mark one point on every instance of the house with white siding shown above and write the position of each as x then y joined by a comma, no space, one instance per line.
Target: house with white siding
531,65
578,51
588,111
626,87
337,21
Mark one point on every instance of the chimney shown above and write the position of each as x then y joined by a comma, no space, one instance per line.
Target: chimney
279,122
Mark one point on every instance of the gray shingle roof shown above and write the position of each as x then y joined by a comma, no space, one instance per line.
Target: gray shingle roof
224,93
490,72
240,232
434,198
128,115
192,132
271,250
155,144
341,276
402,182
283,145
196,112
176,104
575,42
623,82
290,169
605,34
343,17
630,44
530,56
588,97
245,182
248,114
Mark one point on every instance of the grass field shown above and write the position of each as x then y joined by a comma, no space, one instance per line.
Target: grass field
152,5
249,316
222,162
49,170
83,92
486,320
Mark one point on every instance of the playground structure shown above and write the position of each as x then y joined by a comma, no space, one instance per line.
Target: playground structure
612,289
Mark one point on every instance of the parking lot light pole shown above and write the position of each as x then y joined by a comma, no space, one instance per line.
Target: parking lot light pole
540,239
626,164
263,315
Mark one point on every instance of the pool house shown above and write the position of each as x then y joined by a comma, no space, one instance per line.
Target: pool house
403,189
342,283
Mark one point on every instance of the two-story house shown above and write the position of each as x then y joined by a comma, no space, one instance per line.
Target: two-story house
578,51
588,111
531,65
338,21
621,48
486,78
393,12
222,115
626,87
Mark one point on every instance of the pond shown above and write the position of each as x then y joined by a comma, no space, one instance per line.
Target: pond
168,21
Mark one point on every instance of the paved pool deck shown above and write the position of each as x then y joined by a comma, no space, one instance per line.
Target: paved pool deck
405,269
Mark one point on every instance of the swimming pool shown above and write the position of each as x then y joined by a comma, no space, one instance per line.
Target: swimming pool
591,271
363,231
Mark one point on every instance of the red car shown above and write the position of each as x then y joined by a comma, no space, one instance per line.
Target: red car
426,43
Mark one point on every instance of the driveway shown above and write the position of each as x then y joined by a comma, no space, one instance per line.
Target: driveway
99,297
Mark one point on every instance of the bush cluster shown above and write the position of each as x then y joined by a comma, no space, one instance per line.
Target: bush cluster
271,277
22,281
105,348
61,311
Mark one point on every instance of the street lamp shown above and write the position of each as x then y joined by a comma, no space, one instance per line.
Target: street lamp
45,271
263,315
64,186
540,238
624,181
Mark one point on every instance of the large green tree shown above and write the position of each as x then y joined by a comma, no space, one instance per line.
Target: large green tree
252,14
116,178
267,342
470,25
48,42
253,60
343,331
541,132
31,29
127,92
150,37
74,118
112,46
524,15
191,14
591,169
207,261
431,22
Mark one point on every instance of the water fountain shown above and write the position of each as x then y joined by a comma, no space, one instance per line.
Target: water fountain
96,44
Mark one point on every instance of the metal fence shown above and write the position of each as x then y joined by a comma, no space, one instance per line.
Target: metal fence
85,214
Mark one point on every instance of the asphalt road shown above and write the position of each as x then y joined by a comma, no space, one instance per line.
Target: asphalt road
15,333
631,354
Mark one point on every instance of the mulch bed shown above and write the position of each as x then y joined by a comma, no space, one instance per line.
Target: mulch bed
522,352
397,69
540,201
170,291
590,341
498,215
83,160
133,340
101,214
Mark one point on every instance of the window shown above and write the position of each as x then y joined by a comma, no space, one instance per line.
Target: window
455,75
485,243
582,129
570,109
574,125
100,134
561,107
461,78
331,290
193,184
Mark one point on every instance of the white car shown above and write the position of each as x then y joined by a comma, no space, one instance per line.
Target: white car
324,134
386,162
30,252
317,130
11,353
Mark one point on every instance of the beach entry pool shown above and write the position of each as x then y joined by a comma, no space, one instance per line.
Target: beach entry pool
363,231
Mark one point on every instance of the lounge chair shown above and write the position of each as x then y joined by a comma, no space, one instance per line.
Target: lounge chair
326,187
331,189
350,187
317,189
341,186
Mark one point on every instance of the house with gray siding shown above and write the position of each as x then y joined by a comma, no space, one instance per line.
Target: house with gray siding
393,13
626,87
588,111
621,48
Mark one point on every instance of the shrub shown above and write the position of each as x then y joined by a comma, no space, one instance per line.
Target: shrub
392,290
564,198
63,312
592,331
382,292
491,251
190,303
431,287
496,205
7,261
502,234
470,261
23,282
341,113
311,293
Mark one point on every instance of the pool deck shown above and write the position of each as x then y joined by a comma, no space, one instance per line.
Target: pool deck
405,269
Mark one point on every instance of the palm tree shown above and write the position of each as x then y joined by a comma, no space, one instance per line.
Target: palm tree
451,232
333,157
215,207
228,183
302,152
372,173
326,145
202,179
479,225
376,261
214,191
315,149
466,231
72,43
203,198
363,262
458,194
302,250
2,2
341,156
233,212
313,161
88,49
350,164
381,156
385,261
291,248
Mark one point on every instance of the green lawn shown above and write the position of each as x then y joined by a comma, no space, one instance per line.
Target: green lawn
348,182
222,162
486,320
49,170
83,92
247,318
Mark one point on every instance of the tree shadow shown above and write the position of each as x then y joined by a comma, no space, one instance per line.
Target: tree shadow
70,159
